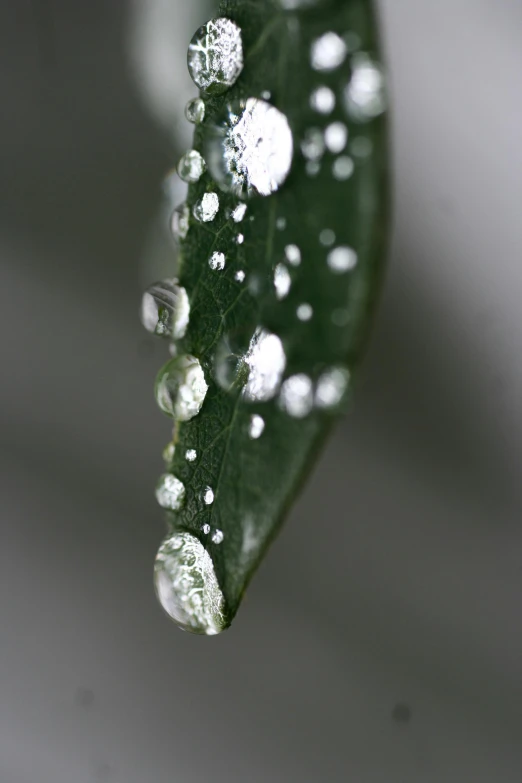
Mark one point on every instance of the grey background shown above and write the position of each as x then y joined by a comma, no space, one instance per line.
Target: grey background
381,642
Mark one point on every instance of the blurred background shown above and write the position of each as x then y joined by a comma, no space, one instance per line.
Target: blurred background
382,639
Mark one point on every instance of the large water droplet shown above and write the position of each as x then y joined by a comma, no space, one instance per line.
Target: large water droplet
266,362
191,166
251,150
181,388
186,585
165,309
170,492
195,111
206,209
365,94
215,55
180,222
296,396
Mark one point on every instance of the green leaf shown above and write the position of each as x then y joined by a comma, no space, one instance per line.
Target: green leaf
255,480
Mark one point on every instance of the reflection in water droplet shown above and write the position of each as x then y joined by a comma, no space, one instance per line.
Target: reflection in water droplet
165,309
217,536
312,146
191,455
206,209
215,55
179,223
331,387
342,168
256,426
266,362
181,388
281,223
170,492
322,100
239,213
168,453
293,255
282,281
251,150
191,166
195,111
208,496
336,136
186,585
239,276
327,52
305,312
296,397
327,237
342,259
217,261
365,94
361,147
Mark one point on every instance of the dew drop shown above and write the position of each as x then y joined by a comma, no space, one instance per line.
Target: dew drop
336,136
239,276
240,239
327,52
217,536
256,426
187,587
165,309
191,166
215,55
206,528
322,100
281,223
239,213
342,259
266,362
305,312
293,255
331,387
282,281
342,168
170,492
208,496
365,94
195,111
181,388
180,222
296,397
191,455
312,146
206,209
217,261
327,237
266,95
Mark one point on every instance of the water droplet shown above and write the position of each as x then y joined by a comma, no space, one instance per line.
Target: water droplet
206,209
266,362
240,239
206,528
361,147
217,536
217,261
186,585
239,276
165,309
256,426
191,455
296,397
282,281
215,55
342,259
191,166
195,111
336,136
342,168
313,167
239,213
327,52
305,312
281,223
322,100
251,150
312,146
181,388
365,94
180,222
293,255
327,237
170,492
168,453
266,95
208,496
331,387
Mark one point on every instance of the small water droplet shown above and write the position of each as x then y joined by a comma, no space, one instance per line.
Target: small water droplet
282,281
312,146
305,312
180,222
281,223
206,209
181,388
342,168
365,94
195,111
206,528
327,237
191,455
239,276
217,536
342,259
215,55
266,95
313,167
191,166
168,453
266,362
256,426
165,309
331,387
361,147
240,239
239,213
322,100
217,261
352,40
296,397
186,585
328,52
293,255
336,136
170,492
208,496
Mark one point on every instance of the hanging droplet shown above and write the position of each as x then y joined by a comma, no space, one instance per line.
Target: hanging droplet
165,309
191,166
256,426
208,496
181,388
251,150
296,397
327,52
170,492
215,55
342,259
331,387
217,261
266,362
282,281
206,209
187,587
365,96
191,455
195,111
180,222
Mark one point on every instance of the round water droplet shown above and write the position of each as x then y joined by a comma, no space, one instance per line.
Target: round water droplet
312,146
293,255
215,55
296,397
327,237
322,100
256,426
208,496
217,536
170,492
342,168
365,94
266,362
336,136
191,455
239,276
331,387
342,259
305,312
165,309
181,388
281,223
186,585
240,239
191,166
206,209
206,528
195,111
251,150
217,261
327,52
180,222
282,281
239,213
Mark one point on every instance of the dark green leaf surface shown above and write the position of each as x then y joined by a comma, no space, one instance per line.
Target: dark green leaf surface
255,481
